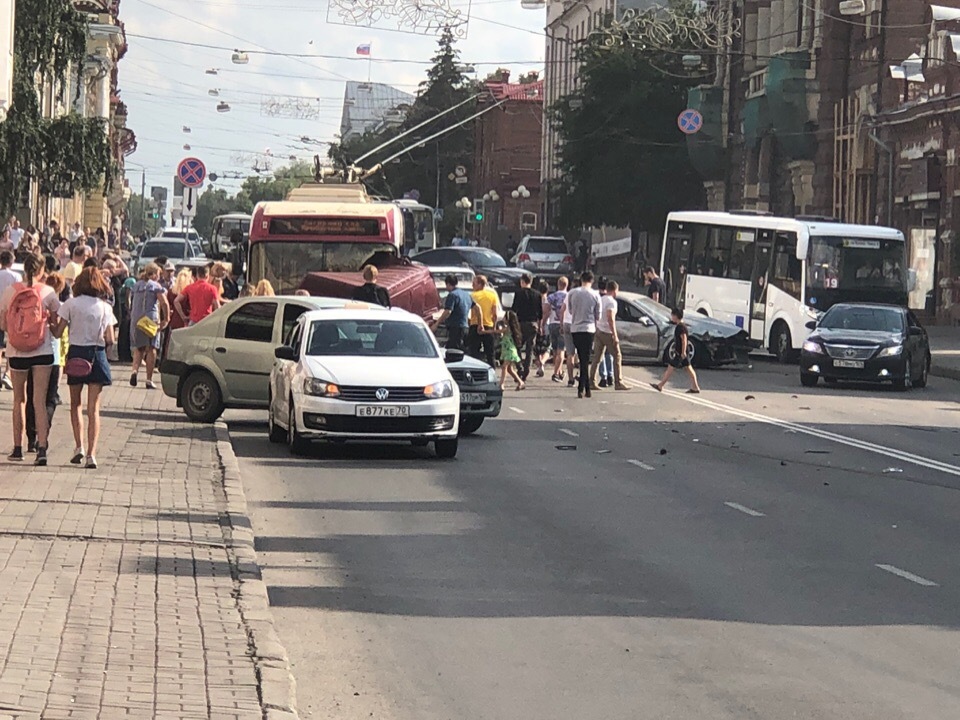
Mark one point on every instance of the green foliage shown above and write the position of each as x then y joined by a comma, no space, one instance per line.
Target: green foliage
623,160
65,154
423,167
257,189
216,202
135,213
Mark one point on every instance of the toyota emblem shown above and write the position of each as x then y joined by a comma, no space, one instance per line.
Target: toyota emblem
850,353
468,376
382,394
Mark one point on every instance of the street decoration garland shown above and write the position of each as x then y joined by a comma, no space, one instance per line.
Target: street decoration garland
681,25
66,154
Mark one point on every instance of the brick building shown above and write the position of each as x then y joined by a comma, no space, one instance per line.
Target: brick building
850,116
507,156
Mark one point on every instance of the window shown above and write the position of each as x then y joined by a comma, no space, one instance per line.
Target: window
252,322
376,338
292,339
291,313
786,272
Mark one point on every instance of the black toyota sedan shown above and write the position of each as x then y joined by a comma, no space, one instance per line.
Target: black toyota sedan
861,342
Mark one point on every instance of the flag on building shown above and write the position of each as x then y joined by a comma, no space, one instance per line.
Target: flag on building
363,49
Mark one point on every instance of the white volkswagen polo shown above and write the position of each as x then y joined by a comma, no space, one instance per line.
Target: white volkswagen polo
363,373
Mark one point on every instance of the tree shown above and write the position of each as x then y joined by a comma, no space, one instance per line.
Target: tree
257,189
622,159
424,168
135,214
66,154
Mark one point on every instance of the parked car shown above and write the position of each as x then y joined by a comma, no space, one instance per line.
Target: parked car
170,247
545,257
646,333
224,361
483,261
866,342
363,374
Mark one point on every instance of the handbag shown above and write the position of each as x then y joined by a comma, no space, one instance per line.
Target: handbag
148,326
78,368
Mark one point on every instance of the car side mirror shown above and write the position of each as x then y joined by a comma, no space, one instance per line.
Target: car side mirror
811,325
453,356
645,321
285,352
916,331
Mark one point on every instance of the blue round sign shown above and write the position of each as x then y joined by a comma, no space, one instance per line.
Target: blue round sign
690,121
192,172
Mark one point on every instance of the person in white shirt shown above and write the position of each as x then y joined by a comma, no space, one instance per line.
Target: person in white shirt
16,232
607,339
8,277
90,320
583,306
37,362
75,232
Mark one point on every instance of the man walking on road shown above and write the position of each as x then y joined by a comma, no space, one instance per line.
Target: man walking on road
528,305
583,305
488,303
607,339
556,301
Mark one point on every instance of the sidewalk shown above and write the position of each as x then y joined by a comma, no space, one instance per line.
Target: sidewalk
945,349
133,590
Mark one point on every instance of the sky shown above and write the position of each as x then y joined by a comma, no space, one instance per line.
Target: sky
164,80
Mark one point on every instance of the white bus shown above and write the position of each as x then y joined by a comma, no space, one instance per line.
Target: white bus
224,238
771,275
419,226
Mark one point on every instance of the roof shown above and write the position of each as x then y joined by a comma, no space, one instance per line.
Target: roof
365,105
523,92
769,222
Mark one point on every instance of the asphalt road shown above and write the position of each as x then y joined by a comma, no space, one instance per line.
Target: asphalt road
758,551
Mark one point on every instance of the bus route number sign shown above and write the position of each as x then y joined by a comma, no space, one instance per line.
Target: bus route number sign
353,227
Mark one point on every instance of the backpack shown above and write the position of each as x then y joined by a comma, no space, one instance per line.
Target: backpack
26,318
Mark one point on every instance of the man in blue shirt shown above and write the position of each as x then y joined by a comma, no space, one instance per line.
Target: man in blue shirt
456,313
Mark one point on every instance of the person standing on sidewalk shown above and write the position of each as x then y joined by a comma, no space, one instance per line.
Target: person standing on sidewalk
202,298
90,320
8,277
528,306
56,281
678,355
148,300
606,340
456,313
583,304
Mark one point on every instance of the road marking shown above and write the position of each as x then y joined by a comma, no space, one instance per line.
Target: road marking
571,433
744,509
641,465
518,410
901,455
907,575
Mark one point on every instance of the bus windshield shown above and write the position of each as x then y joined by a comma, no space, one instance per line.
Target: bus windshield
286,263
848,263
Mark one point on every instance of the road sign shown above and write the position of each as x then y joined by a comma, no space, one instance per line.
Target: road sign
461,180
192,172
190,196
690,121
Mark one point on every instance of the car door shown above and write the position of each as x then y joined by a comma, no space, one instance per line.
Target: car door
282,375
245,352
639,334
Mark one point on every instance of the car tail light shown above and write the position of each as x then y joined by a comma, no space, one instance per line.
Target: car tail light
523,258
568,259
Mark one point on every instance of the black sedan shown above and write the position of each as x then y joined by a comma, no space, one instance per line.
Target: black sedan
863,342
483,261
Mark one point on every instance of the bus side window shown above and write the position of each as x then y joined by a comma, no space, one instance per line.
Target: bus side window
786,271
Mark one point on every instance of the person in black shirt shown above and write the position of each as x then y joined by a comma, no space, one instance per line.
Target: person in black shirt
371,292
657,287
528,305
678,355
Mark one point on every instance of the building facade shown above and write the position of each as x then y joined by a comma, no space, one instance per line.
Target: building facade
506,160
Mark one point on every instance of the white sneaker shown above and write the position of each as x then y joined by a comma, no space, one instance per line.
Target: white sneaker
91,462
77,457
6,382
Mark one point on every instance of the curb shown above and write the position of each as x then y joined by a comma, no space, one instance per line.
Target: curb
945,372
277,686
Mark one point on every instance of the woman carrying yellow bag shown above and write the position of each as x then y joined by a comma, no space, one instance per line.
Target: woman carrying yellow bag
149,314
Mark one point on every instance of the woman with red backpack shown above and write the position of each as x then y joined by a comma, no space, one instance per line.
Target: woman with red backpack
27,310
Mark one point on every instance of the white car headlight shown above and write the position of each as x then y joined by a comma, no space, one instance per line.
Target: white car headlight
891,351
491,375
442,389
812,347
320,388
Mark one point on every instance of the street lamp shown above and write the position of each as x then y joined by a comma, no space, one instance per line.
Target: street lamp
463,204
520,192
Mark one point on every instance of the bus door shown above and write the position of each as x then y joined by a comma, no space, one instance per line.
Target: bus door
758,284
676,264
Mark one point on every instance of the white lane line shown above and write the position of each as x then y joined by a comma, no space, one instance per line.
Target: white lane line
907,575
571,433
518,410
822,434
641,465
744,509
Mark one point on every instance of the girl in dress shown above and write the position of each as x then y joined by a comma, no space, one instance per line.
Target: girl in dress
511,338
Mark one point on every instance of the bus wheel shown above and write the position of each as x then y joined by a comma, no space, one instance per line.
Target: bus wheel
781,343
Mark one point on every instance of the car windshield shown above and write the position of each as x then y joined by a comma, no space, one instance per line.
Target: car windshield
374,338
863,318
285,263
169,248
547,246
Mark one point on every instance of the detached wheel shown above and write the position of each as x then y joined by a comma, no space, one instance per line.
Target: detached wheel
295,441
274,431
201,398
808,379
469,425
446,449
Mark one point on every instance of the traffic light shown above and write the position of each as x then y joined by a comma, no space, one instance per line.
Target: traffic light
478,208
